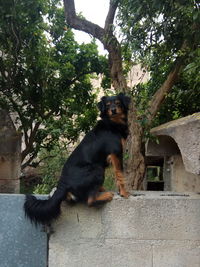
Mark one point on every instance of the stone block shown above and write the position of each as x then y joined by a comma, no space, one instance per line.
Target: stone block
176,254
153,218
9,186
100,253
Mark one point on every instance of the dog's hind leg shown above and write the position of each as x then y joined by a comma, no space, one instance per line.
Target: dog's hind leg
99,198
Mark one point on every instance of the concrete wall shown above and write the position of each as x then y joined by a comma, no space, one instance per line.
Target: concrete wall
21,243
176,178
150,229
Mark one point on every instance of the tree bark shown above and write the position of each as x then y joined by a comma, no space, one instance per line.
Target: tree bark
115,64
134,163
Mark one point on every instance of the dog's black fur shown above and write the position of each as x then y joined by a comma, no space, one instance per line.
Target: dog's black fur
83,173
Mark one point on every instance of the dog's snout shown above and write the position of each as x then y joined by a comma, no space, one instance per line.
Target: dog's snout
114,111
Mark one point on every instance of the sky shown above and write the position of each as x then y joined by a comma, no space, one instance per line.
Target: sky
94,11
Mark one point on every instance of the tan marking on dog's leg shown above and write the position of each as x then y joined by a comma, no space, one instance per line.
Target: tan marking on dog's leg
123,142
106,196
119,175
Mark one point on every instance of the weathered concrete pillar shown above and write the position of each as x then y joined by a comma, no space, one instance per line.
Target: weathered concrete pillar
10,149
180,180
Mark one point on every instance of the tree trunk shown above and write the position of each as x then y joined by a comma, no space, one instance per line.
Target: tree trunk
134,162
115,65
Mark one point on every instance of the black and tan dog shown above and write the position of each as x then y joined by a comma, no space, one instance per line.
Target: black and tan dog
82,176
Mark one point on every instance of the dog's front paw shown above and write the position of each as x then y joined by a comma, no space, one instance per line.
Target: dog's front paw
124,194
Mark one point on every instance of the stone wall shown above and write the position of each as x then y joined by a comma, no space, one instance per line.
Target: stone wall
150,229
10,161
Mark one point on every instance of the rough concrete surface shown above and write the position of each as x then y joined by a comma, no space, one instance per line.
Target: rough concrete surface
181,180
150,229
21,243
10,155
186,133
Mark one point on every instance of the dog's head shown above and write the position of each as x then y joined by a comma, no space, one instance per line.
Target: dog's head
114,107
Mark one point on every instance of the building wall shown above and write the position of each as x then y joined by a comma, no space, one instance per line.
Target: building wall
177,178
136,75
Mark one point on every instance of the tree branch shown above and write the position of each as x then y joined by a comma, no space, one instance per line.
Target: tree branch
105,35
160,95
29,145
27,163
35,164
111,15
81,24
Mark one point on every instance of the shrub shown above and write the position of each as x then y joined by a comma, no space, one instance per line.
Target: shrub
50,169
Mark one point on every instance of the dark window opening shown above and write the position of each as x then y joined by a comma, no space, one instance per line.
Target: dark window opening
154,174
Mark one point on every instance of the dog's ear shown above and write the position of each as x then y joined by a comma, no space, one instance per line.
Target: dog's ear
125,100
102,106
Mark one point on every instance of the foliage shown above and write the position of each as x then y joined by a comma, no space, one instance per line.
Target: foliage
158,25
109,182
156,31
44,74
50,168
184,100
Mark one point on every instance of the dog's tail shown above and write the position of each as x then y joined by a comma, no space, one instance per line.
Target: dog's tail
44,211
